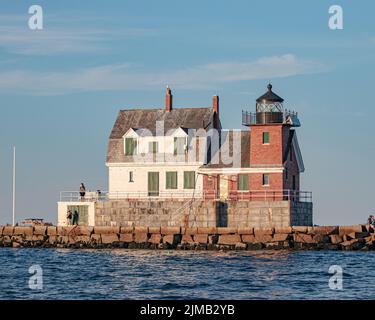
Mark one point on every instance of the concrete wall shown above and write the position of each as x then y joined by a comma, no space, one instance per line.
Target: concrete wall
258,214
156,213
255,214
301,214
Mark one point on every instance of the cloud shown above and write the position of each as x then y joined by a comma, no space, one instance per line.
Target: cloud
16,37
123,77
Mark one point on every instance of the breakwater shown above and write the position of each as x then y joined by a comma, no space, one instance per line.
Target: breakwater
356,237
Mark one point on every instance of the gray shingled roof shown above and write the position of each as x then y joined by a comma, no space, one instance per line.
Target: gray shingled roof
245,150
191,118
188,118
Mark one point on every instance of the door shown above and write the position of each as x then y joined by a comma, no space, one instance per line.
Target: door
223,186
83,214
153,184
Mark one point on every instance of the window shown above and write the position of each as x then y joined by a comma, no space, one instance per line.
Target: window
266,179
171,180
189,179
266,137
153,147
131,176
286,173
130,146
294,183
243,182
179,145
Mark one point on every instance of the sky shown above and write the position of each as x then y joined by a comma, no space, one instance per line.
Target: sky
62,87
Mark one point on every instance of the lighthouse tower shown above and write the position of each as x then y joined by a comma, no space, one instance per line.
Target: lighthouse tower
274,151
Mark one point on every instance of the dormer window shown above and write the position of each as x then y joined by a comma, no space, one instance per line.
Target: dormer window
179,145
130,146
153,147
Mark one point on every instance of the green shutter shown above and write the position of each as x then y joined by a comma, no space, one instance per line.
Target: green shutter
179,143
130,146
189,179
243,182
153,184
266,137
171,180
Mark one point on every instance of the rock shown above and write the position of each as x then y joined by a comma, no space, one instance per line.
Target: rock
127,229
191,231
321,238
109,238
280,237
40,230
170,230
246,231
85,239
283,230
96,238
126,237
201,238
171,239
51,231
8,231
52,240
155,238
16,245
357,235
23,231
65,231
299,229
335,239
141,237
248,238
17,239
82,231
229,239
325,230
348,229
156,230
141,230
187,239
263,238
240,246
207,230
263,232
222,230
213,239
303,238
106,230
255,246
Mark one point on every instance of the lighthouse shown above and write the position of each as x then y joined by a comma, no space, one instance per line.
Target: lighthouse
274,144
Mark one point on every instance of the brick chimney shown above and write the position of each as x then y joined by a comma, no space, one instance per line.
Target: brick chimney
215,111
168,100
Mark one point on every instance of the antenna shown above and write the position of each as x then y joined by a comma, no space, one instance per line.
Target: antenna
14,186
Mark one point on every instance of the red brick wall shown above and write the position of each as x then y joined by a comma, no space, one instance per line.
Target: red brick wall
271,153
275,181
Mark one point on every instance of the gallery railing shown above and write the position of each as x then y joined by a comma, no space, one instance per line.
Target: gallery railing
246,195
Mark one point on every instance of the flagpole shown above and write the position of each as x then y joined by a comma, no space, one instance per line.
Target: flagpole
14,186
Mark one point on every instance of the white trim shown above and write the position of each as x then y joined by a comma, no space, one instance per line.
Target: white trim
152,164
241,170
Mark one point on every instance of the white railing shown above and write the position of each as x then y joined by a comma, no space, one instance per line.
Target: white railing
251,195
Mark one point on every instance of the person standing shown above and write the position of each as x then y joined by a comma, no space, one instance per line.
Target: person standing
69,217
82,191
371,222
75,218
